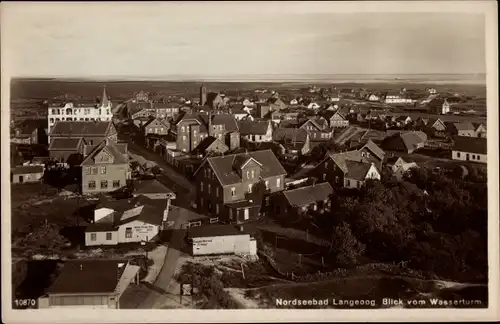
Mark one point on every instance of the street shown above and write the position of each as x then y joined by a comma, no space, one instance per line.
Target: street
163,287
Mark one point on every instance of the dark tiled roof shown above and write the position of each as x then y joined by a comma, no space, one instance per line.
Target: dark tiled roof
290,134
229,122
253,127
341,158
357,170
370,145
464,126
114,149
223,166
470,144
87,276
307,195
65,144
29,169
151,186
216,230
81,128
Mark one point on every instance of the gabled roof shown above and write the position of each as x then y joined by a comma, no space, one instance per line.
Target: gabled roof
117,151
370,145
308,195
253,127
29,169
88,276
470,144
161,122
207,142
464,126
226,173
81,128
341,158
357,170
227,120
290,134
315,122
66,144
150,186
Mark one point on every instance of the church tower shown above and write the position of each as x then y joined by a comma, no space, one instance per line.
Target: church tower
203,95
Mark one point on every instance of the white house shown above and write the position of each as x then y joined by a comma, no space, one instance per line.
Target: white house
140,219
373,97
396,99
400,167
313,105
221,239
359,172
469,149
294,102
71,111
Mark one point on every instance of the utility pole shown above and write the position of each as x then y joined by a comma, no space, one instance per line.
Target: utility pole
242,270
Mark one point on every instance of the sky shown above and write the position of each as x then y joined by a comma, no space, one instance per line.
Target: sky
234,39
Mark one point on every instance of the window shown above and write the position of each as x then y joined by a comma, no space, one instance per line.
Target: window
52,120
205,172
217,192
88,171
326,165
216,209
194,132
156,130
53,111
104,184
348,183
93,236
57,119
246,214
248,174
107,111
103,170
128,232
233,191
253,174
183,137
230,214
250,188
116,183
267,184
473,157
278,182
81,119
324,176
91,184
458,154
109,236
161,129
182,129
208,188
201,186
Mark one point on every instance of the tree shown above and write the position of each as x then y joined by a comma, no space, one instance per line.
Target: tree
45,237
344,245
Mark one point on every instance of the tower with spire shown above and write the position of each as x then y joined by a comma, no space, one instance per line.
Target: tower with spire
105,103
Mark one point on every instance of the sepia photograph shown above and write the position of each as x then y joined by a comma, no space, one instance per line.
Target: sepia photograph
316,160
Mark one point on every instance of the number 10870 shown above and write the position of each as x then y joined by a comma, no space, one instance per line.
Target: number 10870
25,303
